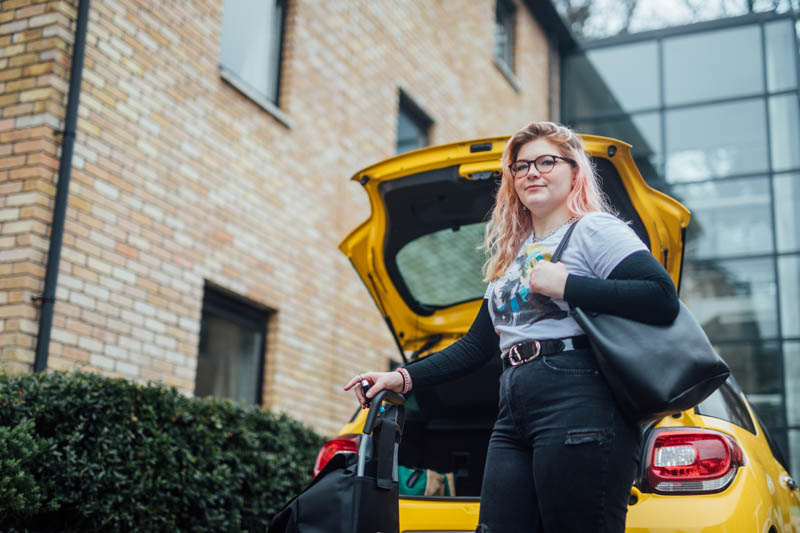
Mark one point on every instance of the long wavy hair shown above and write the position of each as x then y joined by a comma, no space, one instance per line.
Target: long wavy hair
510,222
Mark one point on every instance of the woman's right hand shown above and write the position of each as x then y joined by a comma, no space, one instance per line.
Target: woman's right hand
378,381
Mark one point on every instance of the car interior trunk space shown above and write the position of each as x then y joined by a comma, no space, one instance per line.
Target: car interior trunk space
448,427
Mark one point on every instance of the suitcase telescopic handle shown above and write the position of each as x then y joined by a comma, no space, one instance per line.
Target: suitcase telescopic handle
387,396
391,431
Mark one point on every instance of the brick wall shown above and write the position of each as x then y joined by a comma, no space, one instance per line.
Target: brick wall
34,66
179,179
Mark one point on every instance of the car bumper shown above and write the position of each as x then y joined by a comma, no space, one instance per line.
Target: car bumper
745,506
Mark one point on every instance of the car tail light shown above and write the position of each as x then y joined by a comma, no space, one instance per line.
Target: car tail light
343,444
691,461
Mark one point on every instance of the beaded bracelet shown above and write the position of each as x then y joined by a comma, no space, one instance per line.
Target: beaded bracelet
406,380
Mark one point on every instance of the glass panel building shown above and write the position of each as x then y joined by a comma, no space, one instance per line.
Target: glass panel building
711,110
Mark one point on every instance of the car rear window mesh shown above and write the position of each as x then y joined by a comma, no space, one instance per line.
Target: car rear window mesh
444,266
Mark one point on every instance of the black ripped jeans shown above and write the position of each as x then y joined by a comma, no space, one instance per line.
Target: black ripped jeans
561,457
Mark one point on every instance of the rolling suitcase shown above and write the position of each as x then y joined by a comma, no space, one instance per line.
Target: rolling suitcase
354,493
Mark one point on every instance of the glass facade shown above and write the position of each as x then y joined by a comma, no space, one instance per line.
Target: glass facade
694,70
713,116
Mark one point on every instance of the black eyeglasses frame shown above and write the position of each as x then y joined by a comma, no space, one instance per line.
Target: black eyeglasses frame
532,162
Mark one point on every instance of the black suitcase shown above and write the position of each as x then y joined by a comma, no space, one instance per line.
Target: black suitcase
354,493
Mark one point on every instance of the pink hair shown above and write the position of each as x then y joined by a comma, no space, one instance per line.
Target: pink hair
510,222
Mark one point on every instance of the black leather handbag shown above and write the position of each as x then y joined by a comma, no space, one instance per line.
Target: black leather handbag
653,371
354,493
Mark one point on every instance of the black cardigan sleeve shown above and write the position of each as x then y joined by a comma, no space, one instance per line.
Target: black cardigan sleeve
460,358
638,288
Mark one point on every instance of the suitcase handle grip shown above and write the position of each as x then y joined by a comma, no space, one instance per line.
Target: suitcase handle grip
387,396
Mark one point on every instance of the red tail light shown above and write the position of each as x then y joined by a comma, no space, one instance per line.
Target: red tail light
343,444
691,461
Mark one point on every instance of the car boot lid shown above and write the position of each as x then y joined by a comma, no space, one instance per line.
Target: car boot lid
418,252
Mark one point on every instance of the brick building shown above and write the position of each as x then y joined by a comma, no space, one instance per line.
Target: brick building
209,184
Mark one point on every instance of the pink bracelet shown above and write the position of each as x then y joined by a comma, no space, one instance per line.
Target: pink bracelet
406,380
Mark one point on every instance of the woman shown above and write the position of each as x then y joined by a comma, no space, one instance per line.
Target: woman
561,456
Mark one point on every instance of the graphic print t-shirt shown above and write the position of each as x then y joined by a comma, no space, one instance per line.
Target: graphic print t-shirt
598,244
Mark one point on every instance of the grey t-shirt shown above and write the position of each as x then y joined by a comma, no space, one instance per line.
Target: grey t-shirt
598,244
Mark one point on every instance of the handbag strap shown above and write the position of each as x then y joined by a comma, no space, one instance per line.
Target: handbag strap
563,244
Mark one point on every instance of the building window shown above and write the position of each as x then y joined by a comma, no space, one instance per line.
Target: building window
250,46
504,33
413,125
230,360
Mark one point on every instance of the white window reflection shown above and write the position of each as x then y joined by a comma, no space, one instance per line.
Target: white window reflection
250,43
794,451
732,299
629,74
781,71
700,67
413,125
787,211
789,282
641,131
756,366
504,33
768,407
791,380
784,121
716,141
729,217
411,133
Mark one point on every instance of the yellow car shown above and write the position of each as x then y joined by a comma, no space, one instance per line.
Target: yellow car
711,469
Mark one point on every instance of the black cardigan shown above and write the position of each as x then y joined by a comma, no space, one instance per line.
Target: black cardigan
637,288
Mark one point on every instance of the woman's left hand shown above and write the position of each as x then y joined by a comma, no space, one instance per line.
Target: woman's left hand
549,279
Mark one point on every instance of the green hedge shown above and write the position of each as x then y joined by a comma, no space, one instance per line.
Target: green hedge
81,452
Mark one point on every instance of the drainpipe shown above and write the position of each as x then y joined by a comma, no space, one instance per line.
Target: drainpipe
48,298
553,85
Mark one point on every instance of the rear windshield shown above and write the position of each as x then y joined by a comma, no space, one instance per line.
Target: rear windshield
444,266
434,228
726,404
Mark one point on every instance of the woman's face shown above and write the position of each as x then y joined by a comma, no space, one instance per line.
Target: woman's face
541,193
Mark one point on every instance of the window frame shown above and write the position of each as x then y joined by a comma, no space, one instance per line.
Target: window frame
408,107
230,76
230,306
505,16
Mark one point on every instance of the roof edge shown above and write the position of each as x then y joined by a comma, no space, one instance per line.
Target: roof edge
546,13
687,29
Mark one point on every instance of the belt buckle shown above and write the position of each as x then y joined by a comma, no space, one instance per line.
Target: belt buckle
515,358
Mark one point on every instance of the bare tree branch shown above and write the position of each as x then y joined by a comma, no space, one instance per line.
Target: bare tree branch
629,7
624,16
577,12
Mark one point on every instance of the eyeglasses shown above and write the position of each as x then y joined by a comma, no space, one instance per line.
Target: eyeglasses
543,164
